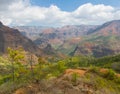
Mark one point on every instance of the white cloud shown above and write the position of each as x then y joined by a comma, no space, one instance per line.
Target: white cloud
21,12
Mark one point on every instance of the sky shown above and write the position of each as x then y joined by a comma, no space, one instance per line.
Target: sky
71,5
58,12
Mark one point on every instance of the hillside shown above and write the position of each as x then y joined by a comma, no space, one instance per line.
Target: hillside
99,46
79,75
73,82
99,42
32,32
10,37
57,36
111,27
72,40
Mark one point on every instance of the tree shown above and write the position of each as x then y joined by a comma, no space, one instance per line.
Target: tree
16,56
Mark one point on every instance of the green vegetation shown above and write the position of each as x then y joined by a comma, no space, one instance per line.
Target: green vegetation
75,77
16,72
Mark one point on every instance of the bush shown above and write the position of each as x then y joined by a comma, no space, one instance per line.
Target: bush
75,77
110,75
94,69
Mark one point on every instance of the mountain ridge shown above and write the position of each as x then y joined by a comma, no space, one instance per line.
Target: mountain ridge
89,39
104,40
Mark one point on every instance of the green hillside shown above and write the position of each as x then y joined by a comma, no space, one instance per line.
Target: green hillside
80,74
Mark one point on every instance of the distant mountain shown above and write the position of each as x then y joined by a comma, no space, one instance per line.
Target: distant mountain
31,32
10,37
102,41
92,40
57,36
112,27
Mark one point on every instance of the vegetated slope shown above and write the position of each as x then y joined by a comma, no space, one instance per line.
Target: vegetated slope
102,41
84,80
78,81
12,38
99,46
79,75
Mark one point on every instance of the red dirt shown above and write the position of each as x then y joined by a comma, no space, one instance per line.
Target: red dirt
104,70
78,71
20,91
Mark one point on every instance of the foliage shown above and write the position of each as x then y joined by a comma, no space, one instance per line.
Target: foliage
75,77
94,69
43,70
110,75
16,56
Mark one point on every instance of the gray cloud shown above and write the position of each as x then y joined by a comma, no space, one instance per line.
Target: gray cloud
5,3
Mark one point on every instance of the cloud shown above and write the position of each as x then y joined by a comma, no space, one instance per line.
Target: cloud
4,3
21,12
95,14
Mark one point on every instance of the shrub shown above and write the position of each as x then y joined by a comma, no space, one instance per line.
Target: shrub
110,75
94,69
75,77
